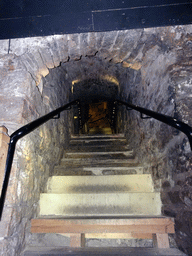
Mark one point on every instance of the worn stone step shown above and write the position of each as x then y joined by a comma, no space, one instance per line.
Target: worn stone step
100,184
101,251
98,170
99,136
96,161
98,148
114,154
103,204
104,141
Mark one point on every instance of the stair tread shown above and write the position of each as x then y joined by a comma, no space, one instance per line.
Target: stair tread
99,155
97,148
107,184
82,171
118,135
98,142
98,169
127,152
148,203
99,161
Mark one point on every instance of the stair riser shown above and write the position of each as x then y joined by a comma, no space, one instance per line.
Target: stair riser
118,154
112,142
98,170
99,136
122,204
98,148
94,162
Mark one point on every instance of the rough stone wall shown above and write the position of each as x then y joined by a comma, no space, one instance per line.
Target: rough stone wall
37,153
152,68
163,84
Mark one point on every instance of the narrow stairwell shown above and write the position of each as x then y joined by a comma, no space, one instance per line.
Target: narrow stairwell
100,182
100,190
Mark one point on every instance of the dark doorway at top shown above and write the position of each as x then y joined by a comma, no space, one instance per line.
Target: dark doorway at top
97,118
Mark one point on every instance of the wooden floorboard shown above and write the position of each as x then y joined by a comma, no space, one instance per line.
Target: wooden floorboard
154,225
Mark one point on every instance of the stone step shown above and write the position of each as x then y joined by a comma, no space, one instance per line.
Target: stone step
98,148
108,141
100,184
114,154
99,136
96,161
103,204
98,170
114,170
101,251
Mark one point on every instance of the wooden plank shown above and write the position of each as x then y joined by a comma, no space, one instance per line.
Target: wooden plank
80,226
77,240
115,221
99,228
161,240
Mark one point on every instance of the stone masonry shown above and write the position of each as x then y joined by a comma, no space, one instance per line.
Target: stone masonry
152,68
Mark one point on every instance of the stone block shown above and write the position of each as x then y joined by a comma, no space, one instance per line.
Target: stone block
8,64
31,65
74,46
11,109
84,43
175,197
46,57
17,84
99,39
4,141
43,70
63,48
5,221
109,40
119,39
20,46
166,184
165,198
169,210
50,43
92,48
4,46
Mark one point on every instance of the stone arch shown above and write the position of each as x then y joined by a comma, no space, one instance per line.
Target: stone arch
153,68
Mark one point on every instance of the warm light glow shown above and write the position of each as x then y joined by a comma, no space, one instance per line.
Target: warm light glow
111,79
75,81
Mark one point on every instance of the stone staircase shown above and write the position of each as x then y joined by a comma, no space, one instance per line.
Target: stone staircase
100,179
100,192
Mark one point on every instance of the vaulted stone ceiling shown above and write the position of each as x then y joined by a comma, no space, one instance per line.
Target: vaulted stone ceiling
151,67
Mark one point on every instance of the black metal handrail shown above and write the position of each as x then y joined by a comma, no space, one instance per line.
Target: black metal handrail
163,118
18,134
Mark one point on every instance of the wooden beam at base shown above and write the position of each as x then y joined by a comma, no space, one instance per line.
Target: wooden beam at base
161,241
158,225
77,240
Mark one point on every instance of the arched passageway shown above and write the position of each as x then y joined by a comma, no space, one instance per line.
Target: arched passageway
148,67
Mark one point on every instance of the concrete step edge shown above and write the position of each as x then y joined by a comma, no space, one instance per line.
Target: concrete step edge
86,141
96,184
126,153
119,135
